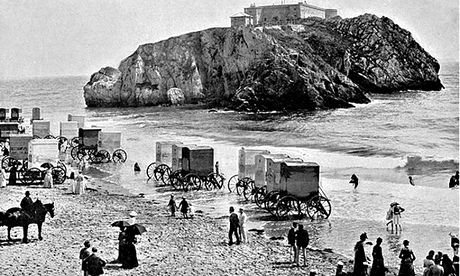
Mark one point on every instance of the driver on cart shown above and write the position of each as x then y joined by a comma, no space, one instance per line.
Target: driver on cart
26,204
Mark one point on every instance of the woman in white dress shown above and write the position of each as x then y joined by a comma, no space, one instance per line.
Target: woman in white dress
2,178
48,181
81,184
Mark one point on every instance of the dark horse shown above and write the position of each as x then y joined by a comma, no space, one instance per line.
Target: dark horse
15,217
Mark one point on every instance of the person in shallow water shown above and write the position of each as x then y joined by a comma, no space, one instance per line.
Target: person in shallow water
411,181
354,180
136,167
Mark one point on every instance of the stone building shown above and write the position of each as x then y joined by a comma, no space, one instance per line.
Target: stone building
241,19
280,14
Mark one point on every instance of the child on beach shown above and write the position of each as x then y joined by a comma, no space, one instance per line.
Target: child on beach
172,206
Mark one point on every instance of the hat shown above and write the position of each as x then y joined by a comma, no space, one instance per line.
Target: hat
363,235
133,214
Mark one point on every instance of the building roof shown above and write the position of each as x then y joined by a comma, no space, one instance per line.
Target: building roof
287,5
241,14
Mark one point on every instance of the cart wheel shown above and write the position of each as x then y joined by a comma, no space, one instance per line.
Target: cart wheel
46,165
63,166
24,166
231,184
36,137
159,171
59,175
165,176
271,200
259,195
242,185
249,190
73,152
176,179
193,182
319,207
288,207
75,142
214,181
119,156
32,176
102,156
89,152
8,163
150,170
49,136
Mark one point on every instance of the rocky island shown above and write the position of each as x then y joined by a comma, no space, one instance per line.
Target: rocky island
316,64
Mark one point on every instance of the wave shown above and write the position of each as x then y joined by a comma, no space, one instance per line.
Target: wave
418,165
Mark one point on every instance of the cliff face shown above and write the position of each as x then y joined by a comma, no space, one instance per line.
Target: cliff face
317,64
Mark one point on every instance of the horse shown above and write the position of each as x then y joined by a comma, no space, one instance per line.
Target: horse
15,217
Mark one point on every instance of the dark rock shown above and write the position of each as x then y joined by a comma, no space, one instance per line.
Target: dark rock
319,64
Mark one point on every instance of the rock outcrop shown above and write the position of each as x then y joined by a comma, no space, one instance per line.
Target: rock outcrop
313,65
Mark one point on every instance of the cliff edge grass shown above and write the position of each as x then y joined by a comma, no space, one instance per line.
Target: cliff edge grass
317,64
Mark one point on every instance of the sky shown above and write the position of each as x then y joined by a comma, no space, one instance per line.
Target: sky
78,37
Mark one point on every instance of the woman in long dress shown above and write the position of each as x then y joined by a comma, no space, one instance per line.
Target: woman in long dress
2,178
48,181
407,260
378,266
81,184
129,259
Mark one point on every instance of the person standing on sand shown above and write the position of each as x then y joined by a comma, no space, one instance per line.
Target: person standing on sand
85,253
121,243
360,256
80,187
354,180
13,174
447,265
172,206
302,240
407,260
234,225
48,180
183,206
436,269
291,237
129,259
243,219
378,266
94,264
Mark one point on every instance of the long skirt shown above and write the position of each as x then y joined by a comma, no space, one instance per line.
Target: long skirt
378,268
129,259
406,269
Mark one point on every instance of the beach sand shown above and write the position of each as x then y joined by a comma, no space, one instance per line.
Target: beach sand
171,246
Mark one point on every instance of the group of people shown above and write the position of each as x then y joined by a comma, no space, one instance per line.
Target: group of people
238,227
298,240
185,207
92,264
440,264
77,183
434,265
394,216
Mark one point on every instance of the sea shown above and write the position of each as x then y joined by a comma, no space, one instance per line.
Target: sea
412,133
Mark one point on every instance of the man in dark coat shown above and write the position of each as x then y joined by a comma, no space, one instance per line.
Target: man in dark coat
291,241
234,225
302,240
359,268
94,264
85,253
26,204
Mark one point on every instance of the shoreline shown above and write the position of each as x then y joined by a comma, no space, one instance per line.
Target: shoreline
188,246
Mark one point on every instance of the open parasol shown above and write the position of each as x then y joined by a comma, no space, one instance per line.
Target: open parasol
394,203
136,229
120,223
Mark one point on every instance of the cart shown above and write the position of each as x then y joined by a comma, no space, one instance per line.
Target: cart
161,168
95,146
293,190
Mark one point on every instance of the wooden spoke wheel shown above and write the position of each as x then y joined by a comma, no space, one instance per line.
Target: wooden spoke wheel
59,175
24,166
8,163
249,190
288,207
159,171
193,182
32,176
63,166
49,136
214,181
165,176
231,184
119,156
150,171
176,179
86,152
102,156
259,195
319,207
75,141
271,200
73,152
242,185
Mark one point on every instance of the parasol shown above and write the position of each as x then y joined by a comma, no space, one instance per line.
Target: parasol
120,223
136,229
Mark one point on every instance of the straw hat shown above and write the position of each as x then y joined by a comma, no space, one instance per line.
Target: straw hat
133,214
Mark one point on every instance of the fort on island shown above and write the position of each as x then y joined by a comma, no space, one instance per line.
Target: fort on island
278,14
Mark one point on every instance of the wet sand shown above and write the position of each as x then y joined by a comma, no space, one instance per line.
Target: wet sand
171,246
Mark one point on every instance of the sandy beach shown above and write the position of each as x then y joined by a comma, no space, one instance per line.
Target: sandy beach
171,246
